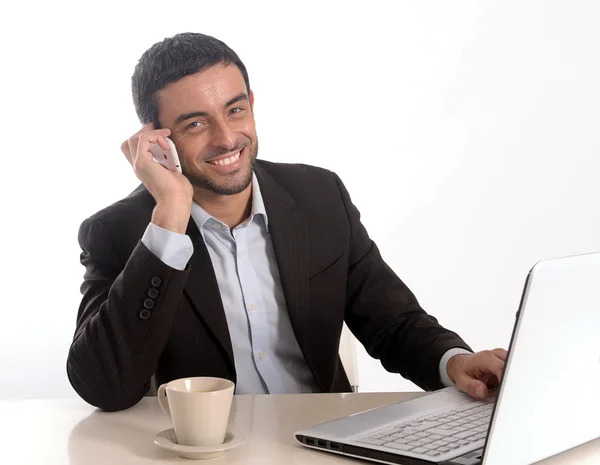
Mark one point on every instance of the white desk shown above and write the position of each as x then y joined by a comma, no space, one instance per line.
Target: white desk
59,432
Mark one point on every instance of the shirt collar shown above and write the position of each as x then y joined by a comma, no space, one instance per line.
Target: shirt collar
201,216
258,204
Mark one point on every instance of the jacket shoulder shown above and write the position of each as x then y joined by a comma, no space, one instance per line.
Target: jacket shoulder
298,177
119,226
127,211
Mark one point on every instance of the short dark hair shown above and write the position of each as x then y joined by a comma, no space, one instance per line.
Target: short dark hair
172,59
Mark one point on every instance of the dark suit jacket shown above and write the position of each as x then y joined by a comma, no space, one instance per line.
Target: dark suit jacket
141,321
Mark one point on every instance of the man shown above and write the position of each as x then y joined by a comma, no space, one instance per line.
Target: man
238,268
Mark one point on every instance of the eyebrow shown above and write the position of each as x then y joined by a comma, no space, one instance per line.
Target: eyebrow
185,116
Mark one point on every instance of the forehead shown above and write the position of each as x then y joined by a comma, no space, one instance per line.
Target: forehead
206,91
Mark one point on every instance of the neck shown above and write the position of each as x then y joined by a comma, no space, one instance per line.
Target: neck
230,209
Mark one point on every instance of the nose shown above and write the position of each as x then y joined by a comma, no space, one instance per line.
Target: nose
223,135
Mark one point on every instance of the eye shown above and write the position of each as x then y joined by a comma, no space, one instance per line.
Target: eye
236,110
193,125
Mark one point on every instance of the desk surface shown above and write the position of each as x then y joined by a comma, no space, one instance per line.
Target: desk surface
71,432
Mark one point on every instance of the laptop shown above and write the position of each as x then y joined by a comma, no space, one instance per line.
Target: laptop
547,401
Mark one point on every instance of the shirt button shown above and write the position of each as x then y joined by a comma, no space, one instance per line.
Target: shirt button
261,355
241,254
252,306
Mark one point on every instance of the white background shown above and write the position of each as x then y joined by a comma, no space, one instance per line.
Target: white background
466,133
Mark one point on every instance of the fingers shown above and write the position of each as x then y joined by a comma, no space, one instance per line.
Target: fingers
131,147
495,365
162,141
472,386
480,371
143,154
126,150
500,353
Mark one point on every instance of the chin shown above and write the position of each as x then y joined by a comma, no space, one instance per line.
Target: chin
241,180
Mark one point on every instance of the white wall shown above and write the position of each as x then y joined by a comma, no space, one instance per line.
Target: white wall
466,132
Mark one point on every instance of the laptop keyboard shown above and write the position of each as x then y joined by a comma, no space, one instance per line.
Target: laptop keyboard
457,431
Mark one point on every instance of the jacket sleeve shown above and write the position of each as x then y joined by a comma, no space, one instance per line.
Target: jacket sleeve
124,320
386,317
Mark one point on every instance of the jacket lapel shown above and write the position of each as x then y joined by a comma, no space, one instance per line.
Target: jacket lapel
290,234
288,227
203,291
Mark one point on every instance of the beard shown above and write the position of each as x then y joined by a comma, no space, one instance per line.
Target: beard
244,179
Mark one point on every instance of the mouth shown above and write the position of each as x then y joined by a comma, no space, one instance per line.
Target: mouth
227,161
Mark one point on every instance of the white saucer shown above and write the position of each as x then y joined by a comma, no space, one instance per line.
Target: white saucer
167,440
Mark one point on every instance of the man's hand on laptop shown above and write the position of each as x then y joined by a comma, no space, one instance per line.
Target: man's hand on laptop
475,373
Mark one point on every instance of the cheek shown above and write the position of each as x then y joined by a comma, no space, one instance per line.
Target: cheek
188,149
187,158
249,130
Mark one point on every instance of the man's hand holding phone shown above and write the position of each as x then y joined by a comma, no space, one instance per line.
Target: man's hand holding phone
171,190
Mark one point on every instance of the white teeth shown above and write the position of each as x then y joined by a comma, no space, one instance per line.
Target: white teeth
226,161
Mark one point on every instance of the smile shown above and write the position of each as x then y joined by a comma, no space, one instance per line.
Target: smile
226,161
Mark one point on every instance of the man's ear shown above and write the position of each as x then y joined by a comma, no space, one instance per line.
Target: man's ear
252,101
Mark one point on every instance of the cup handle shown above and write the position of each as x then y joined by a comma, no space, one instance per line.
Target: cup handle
161,394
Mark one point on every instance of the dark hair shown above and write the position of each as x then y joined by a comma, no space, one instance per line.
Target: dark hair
172,59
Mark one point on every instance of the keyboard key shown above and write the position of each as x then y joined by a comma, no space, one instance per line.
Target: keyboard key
419,450
387,432
442,432
433,453
427,424
464,434
410,430
374,442
394,445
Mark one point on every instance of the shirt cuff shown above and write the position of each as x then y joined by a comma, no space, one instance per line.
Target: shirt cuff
173,249
446,381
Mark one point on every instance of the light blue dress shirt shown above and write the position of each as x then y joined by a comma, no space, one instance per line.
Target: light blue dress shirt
268,359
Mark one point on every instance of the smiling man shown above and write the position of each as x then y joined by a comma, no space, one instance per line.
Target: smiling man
238,268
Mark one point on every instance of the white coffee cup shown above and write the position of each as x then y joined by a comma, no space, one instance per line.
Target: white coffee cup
199,408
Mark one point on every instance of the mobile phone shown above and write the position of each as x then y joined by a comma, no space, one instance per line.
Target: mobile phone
167,158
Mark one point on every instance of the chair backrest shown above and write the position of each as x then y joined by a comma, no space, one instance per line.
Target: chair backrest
348,356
